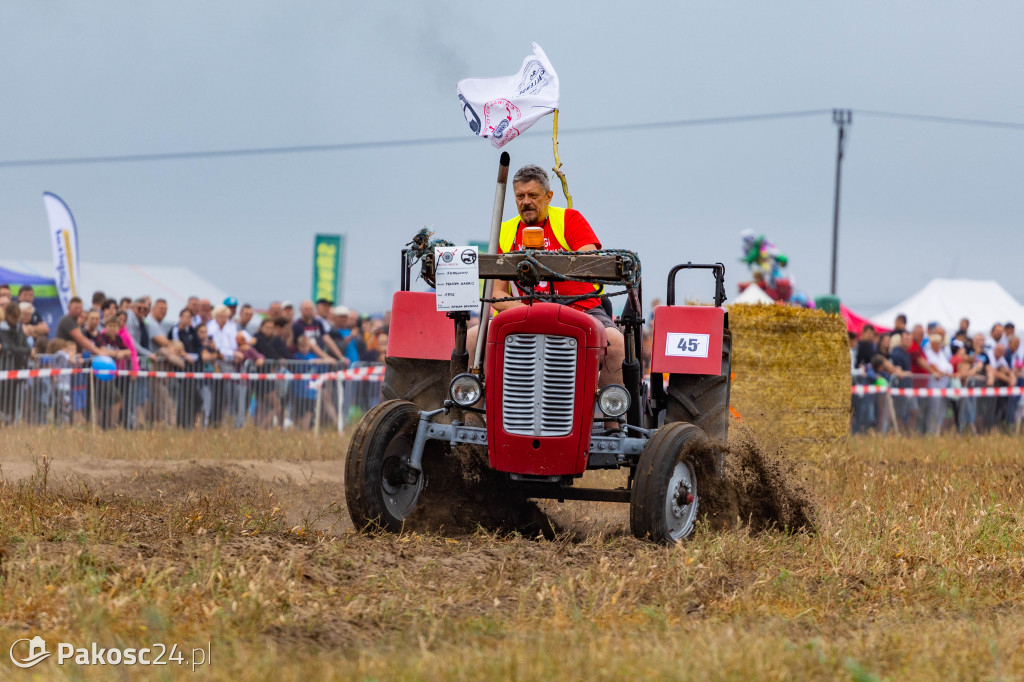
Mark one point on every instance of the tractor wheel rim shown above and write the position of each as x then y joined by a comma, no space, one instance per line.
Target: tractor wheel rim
400,497
680,514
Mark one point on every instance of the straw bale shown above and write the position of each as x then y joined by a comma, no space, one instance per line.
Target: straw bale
791,371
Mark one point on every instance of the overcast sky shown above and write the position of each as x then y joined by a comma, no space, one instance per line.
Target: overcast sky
919,199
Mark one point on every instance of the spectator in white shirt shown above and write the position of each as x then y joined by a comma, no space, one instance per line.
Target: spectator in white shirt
941,370
224,333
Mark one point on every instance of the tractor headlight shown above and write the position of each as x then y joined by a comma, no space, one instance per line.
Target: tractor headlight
466,389
613,400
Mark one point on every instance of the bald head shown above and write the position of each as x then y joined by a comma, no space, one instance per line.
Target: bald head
306,310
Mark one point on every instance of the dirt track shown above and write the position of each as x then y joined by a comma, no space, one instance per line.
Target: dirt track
757,488
304,490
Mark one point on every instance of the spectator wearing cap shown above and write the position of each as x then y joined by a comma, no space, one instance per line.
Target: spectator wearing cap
1009,331
323,312
288,311
36,324
232,304
341,333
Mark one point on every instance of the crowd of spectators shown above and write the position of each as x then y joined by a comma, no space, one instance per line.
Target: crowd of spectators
931,357
141,333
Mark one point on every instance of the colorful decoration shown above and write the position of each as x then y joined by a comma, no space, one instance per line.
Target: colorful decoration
767,267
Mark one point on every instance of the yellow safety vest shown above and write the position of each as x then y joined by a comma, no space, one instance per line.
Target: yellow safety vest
556,218
510,228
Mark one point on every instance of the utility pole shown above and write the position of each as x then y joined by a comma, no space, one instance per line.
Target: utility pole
842,118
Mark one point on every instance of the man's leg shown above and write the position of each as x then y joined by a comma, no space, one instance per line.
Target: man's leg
611,371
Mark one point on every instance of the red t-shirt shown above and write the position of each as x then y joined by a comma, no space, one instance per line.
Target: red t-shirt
915,353
578,234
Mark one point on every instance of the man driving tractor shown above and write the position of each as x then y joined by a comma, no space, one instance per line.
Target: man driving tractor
565,229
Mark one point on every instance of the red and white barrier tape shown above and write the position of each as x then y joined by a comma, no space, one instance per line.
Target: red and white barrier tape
984,392
358,374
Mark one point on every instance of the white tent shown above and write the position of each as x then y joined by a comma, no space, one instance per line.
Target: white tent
753,294
175,284
946,301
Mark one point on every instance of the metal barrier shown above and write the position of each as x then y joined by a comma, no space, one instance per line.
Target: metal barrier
283,394
922,404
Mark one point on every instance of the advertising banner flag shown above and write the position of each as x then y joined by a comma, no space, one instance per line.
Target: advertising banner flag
502,108
64,240
327,252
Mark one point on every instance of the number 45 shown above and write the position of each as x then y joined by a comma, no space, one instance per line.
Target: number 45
686,344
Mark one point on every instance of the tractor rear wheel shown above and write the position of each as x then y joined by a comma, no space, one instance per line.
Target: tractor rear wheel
380,488
663,506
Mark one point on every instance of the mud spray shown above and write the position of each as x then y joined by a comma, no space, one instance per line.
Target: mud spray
462,494
756,486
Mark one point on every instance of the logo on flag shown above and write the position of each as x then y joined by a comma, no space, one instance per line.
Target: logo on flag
510,104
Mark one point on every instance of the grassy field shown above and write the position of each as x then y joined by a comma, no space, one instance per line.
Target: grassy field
914,570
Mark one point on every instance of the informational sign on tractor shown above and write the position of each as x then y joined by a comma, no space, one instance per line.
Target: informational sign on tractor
686,345
457,275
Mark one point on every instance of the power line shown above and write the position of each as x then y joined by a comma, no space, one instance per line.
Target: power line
426,141
697,122
220,153
942,119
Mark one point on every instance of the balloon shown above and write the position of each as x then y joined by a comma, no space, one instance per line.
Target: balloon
103,363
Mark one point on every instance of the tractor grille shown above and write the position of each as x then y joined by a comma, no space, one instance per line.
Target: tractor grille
539,385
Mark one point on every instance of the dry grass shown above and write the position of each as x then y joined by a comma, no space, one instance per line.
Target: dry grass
915,571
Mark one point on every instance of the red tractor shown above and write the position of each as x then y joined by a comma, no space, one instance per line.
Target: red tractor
529,404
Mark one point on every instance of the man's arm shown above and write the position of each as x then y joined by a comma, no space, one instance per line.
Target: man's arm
318,350
502,289
332,347
36,329
85,344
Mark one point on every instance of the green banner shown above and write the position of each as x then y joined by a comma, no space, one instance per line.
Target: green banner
327,255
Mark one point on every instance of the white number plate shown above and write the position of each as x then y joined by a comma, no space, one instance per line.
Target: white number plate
687,345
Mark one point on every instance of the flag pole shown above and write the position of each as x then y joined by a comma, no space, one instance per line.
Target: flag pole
558,162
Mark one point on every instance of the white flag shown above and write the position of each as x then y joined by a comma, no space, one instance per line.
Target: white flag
502,108
64,239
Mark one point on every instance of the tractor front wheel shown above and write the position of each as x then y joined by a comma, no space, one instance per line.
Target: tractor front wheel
663,505
380,488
